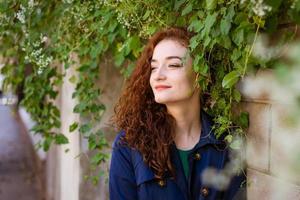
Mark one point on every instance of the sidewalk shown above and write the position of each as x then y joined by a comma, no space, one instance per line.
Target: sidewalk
19,178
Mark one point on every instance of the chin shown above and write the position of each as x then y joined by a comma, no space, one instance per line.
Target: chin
161,100
165,100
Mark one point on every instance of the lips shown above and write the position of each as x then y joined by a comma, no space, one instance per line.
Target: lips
162,87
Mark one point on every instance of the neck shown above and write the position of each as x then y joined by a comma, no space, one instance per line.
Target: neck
188,124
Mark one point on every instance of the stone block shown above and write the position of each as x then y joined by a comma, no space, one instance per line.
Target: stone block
285,142
265,187
257,150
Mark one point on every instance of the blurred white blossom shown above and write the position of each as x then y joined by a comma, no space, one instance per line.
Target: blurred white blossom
31,4
262,51
36,55
260,8
43,38
220,179
293,5
21,14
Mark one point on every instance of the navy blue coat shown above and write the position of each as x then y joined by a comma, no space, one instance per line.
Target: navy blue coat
131,179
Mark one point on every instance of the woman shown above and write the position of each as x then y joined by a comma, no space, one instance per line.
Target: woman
166,141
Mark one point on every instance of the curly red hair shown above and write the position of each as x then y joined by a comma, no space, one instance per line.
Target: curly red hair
148,126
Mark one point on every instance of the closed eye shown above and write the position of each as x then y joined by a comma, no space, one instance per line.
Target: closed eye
175,65
153,68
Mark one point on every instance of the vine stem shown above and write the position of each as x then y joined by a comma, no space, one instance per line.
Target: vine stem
251,49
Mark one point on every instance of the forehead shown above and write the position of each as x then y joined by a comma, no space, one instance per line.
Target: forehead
167,48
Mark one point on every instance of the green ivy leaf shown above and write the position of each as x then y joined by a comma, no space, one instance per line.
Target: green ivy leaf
132,45
119,58
230,79
240,17
211,4
98,158
178,4
73,127
38,128
60,139
92,142
194,41
112,26
236,95
225,42
236,144
188,8
231,13
236,54
209,22
96,49
228,138
244,119
238,36
207,41
72,79
46,143
225,26
197,63
80,107
196,25
85,128
146,15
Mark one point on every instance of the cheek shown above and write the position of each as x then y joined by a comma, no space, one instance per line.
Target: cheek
151,82
186,83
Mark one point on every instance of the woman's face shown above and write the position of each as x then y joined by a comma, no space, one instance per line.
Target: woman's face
172,77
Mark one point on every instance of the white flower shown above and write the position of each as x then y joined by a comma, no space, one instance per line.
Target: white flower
43,38
40,71
260,8
293,5
21,15
31,4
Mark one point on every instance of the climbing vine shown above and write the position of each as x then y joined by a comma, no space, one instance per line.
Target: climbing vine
37,37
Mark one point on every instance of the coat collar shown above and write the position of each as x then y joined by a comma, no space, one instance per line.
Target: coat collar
207,134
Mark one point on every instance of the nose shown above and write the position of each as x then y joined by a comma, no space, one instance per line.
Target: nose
160,73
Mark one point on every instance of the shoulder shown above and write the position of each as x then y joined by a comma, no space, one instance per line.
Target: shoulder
121,158
120,149
117,143
120,142
124,155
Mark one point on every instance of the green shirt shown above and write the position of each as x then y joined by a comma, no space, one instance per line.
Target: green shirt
183,154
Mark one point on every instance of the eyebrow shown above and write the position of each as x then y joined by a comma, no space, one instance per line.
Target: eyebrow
168,58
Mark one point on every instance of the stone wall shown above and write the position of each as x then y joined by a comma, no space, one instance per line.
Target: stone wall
272,142
111,82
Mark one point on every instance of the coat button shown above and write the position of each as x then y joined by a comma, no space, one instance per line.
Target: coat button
161,183
204,191
197,156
